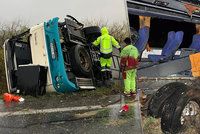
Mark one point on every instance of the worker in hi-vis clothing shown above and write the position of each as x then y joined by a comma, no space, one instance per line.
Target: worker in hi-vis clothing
106,43
128,64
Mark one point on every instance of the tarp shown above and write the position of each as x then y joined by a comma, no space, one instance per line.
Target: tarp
195,64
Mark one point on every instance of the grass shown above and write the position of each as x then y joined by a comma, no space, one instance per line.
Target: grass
129,114
151,125
118,119
100,91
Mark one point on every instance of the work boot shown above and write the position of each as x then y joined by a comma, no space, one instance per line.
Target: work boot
106,75
110,74
133,93
103,75
126,94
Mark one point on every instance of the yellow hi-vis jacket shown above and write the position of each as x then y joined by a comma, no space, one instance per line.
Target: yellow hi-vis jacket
106,42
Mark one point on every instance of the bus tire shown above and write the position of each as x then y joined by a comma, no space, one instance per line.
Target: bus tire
159,98
172,120
92,33
80,61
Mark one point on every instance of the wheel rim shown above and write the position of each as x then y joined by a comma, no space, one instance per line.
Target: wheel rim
190,117
84,61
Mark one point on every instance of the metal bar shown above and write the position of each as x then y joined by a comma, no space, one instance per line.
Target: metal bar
113,62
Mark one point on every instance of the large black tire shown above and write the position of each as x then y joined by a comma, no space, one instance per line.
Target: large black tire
91,33
158,100
173,109
80,61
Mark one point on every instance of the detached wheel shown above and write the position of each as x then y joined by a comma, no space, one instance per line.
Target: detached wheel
158,100
80,61
91,33
181,113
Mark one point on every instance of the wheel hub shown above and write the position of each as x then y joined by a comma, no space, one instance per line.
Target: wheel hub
84,61
190,117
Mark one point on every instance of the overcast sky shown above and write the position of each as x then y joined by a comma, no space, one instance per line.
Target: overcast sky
37,11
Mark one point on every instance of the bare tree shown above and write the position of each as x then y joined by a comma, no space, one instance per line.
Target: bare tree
94,22
119,31
12,29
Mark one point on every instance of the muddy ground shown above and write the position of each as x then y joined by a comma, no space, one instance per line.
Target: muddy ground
101,123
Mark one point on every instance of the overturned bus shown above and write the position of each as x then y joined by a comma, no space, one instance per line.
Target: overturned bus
168,74
53,56
169,71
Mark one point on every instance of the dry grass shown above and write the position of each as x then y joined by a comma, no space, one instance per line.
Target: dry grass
8,30
3,86
151,125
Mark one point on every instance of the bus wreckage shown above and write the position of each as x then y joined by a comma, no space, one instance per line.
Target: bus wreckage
57,56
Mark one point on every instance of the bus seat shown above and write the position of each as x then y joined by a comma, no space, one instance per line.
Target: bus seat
174,40
143,39
195,42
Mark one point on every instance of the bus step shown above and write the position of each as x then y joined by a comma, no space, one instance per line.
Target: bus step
85,83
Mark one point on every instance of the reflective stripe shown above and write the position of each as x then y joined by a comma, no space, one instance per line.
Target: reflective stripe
102,70
108,69
106,50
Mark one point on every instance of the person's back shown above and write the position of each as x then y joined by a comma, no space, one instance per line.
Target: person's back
130,50
106,43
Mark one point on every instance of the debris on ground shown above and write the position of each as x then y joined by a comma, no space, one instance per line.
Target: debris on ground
125,108
7,97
